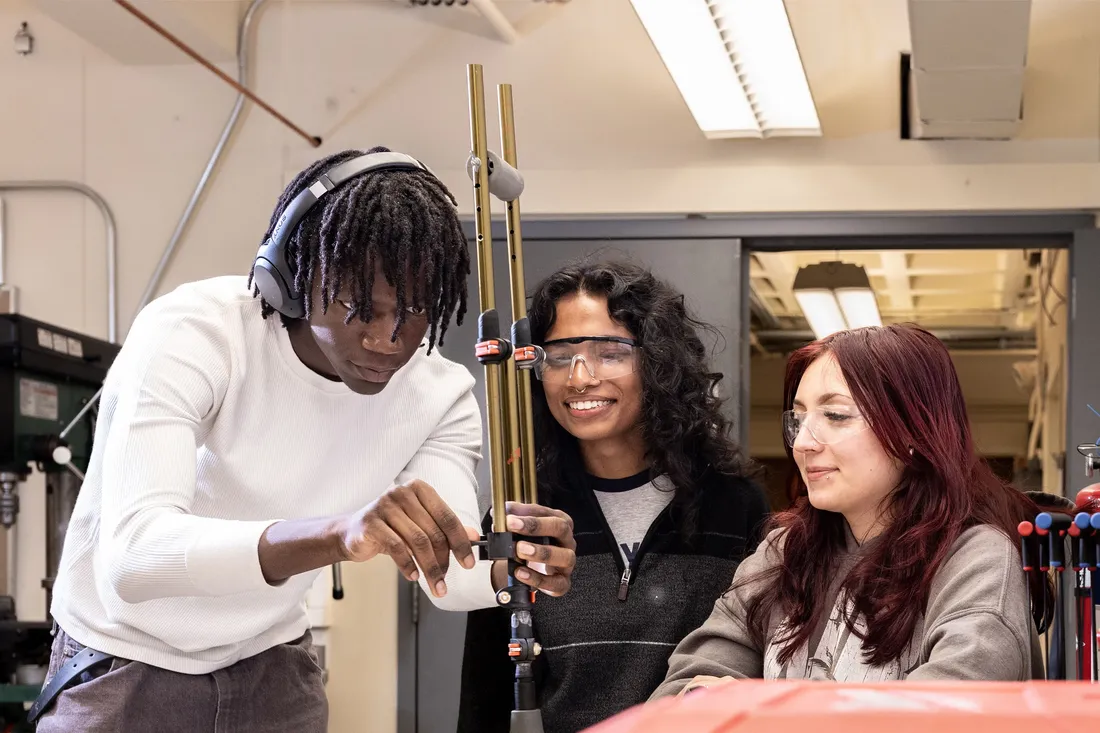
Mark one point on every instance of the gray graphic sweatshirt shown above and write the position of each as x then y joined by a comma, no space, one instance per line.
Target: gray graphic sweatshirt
977,626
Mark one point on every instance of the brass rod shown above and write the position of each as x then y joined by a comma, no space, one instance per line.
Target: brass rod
528,490
479,147
516,458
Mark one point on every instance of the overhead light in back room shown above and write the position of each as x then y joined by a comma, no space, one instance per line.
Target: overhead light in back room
836,296
736,65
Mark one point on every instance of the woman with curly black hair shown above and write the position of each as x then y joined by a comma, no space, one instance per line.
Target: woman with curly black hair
632,444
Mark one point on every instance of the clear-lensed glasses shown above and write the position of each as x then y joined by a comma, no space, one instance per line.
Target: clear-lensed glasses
827,425
603,357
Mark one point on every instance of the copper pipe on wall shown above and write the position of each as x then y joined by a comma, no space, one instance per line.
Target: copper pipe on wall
311,139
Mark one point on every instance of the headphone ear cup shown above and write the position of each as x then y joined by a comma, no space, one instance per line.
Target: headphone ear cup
270,270
272,277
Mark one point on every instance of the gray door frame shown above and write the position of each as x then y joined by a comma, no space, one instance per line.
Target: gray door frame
1073,230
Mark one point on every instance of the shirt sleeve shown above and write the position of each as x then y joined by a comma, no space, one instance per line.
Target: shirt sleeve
165,386
723,646
447,462
979,614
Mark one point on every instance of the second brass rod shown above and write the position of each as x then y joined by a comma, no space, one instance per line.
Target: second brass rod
527,487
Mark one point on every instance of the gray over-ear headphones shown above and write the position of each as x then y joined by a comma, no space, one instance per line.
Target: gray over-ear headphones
271,270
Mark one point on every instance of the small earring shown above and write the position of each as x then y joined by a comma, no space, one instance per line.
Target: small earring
910,450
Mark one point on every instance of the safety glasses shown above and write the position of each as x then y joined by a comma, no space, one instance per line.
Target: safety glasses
826,425
601,357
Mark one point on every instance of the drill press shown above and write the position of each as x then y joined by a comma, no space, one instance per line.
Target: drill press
49,377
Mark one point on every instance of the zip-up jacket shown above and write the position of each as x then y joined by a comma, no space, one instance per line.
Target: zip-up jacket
606,643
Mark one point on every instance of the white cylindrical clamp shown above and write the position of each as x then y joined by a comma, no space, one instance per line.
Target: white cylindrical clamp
505,182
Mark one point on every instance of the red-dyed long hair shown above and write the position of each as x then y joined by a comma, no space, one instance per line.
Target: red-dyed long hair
905,384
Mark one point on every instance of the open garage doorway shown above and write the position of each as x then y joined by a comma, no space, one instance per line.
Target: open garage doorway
1001,312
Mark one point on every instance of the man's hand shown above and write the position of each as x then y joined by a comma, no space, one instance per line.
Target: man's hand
414,526
558,561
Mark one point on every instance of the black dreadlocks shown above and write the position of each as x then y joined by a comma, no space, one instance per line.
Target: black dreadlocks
406,220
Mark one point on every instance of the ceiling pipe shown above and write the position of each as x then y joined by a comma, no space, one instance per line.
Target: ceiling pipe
241,89
943,334
244,47
956,338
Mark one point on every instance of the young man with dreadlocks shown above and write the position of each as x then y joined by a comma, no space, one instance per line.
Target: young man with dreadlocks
238,454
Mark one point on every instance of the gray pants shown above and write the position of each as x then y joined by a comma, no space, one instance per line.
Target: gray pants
280,690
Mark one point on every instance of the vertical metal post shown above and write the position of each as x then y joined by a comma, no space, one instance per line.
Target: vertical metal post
507,366
521,328
489,321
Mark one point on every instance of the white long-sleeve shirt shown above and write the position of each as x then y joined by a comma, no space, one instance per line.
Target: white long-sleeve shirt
210,429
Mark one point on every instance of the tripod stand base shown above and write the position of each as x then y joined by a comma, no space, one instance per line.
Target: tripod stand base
526,721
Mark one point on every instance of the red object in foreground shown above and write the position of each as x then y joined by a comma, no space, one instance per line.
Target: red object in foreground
758,706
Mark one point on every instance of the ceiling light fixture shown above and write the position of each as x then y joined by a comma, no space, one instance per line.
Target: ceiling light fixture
836,296
736,65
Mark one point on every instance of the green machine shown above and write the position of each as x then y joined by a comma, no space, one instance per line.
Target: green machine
50,379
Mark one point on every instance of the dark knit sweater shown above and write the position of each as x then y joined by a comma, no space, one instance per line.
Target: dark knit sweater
606,643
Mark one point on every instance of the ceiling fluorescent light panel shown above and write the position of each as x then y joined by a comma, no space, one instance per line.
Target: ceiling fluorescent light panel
822,311
736,65
835,296
859,307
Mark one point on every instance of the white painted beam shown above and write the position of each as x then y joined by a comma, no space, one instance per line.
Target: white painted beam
933,271
896,266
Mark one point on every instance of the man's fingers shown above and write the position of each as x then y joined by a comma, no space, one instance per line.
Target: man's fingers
560,558
393,546
448,522
419,516
416,540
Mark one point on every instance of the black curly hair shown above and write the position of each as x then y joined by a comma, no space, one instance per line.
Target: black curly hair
686,433
406,220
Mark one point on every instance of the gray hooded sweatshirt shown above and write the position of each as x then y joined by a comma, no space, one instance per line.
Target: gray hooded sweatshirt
977,625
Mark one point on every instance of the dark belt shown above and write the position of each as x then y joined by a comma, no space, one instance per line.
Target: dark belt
78,665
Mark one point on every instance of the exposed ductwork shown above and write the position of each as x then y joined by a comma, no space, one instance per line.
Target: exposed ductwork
966,75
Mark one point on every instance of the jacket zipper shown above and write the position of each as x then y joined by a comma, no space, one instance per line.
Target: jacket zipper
624,585
624,581
627,571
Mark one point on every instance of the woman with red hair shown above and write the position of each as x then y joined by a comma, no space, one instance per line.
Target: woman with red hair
898,558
